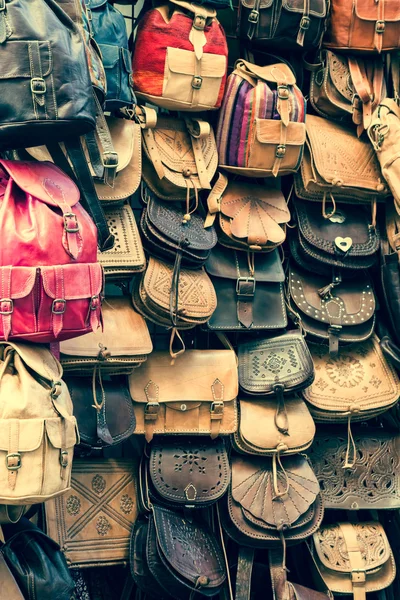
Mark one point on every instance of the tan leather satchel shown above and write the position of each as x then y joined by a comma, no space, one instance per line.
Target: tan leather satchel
37,429
92,523
196,394
354,558
337,164
123,344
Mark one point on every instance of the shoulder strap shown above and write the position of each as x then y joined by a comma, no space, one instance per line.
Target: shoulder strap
244,572
8,586
280,587
368,86
357,564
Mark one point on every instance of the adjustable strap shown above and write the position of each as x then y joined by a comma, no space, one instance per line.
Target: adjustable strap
13,458
109,158
37,83
244,573
253,19
380,27
217,407
214,199
59,303
304,23
245,293
6,302
151,410
357,564
199,129
71,238
9,589
368,85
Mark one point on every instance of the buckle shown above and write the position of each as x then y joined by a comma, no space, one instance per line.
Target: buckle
58,307
380,26
38,86
305,23
280,151
6,306
248,280
254,17
13,465
217,410
68,226
64,458
199,22
283,92
151,411
110,160
94,302
197,82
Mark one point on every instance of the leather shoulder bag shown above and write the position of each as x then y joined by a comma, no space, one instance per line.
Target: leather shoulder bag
196,394
390,271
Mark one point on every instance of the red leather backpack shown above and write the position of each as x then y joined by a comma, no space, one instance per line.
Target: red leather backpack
50,280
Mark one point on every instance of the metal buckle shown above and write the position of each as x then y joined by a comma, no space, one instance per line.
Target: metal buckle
151,411
197,82
40,82
254,17
305,23
110,160
75,227
283,92
10,306
280,151
55,309
380,26
94,302
16,466
217,409
199,22
64,458
247,280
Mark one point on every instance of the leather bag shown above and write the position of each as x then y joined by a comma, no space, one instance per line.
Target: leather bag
261,130
196,394
123,345
390,272
189,58
337,164
36,562
37,429
245,284
363,26
93,522
283,24
104,413
354,558
51,281
373,483
188,472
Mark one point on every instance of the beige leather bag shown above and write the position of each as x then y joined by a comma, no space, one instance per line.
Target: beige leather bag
354,558
37,429
196,394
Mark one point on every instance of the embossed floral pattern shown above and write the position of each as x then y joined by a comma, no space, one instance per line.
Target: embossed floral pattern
126,504
345,371
73,505
103,525
98,484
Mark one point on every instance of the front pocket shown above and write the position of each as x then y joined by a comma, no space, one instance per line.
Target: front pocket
272,140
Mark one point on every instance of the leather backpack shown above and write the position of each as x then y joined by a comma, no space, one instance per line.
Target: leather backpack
51,280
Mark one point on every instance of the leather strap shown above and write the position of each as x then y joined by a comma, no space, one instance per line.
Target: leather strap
109,157
9,589
393,228
214,199
244,572
368,87
358,575
304,23
280,587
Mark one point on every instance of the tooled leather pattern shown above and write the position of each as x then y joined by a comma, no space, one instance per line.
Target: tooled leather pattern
340,75
127,250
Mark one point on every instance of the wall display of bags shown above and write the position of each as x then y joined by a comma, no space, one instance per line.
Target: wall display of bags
199,300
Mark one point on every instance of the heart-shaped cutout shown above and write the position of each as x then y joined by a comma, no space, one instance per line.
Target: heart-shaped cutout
343,244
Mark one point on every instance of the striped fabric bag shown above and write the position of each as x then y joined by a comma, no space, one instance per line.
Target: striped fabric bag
261,130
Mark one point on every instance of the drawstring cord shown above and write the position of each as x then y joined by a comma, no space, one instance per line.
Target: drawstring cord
351,444
324,213
281,412
277,462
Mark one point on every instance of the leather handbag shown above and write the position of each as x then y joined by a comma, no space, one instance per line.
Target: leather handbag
174,556
188,472
104,413
338,165
354,558
245,283
196,394
265,511
348,239
363,26
36,562
390,272
249,216
189,58
37,429
373,483
123,345
261,130
51,281
92,523
332,309
283,24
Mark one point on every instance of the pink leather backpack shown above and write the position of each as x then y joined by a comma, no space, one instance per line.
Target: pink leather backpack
50,280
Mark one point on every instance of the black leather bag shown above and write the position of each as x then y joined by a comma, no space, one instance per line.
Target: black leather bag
244,292
36,562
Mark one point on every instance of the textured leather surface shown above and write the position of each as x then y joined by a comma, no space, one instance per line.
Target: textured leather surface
92,523
8,586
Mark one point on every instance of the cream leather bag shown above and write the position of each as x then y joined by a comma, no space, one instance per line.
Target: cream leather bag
37,429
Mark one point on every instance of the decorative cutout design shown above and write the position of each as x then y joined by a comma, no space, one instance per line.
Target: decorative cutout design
192,458
345,371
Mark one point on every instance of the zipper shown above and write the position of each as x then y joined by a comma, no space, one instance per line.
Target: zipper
37,297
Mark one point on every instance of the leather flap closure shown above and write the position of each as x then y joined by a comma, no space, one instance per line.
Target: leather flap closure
340,74
196,376
30,433
42,180
253,488
331,548
62,433
317,7
258,425
22,280
184,62
252,3
110,54
37,357
276,73
189,470
127,252
125,334
369,10
123,134
283,360
16,61
191,550
270,132
72,282
230,264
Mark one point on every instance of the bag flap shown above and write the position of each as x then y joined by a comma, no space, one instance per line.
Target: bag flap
253,488
279,73
125,334
256,212
184,62
123,134
189,470
198,375
258,428
318,8
369,10
270,132
110,54
350,303
331,549
359,378
229,264
76,281
43,180
55,433
191,550
16,55
196,294
30,434
127,252
22,280
37,357
284,360
93,4
341,158
263,3
339,74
